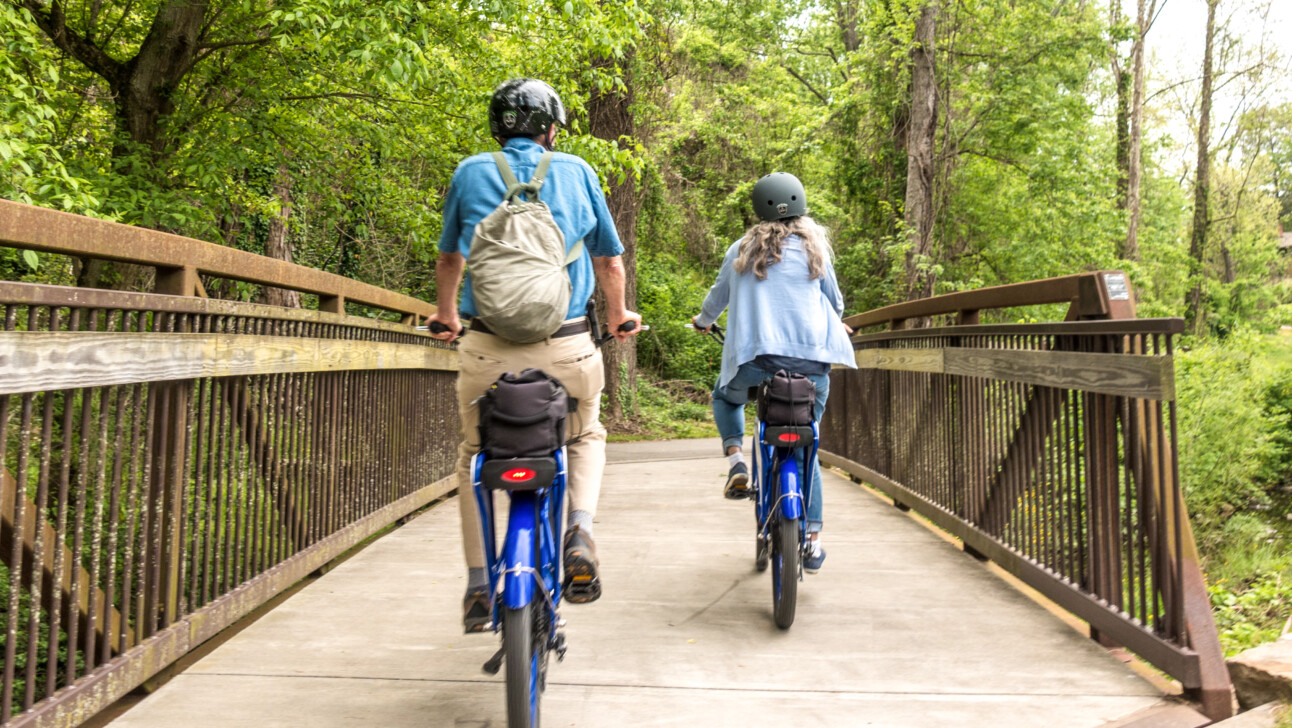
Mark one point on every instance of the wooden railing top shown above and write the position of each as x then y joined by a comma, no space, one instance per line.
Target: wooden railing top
179,259
1099,295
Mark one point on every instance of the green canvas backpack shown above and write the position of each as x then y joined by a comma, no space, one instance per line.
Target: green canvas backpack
518,262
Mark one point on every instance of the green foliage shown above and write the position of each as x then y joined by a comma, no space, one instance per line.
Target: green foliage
1230,439
668,410
668,298
32,168
1252,611
358,112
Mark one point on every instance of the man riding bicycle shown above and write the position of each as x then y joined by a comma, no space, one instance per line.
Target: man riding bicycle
524,116
783,305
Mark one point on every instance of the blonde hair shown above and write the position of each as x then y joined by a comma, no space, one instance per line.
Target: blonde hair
761,246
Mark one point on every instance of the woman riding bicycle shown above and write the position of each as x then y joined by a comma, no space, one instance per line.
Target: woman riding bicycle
784,308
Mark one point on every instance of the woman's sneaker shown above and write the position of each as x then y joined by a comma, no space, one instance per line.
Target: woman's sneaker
737,482
815,557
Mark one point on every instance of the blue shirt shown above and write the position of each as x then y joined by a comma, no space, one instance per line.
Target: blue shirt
786,314
571,189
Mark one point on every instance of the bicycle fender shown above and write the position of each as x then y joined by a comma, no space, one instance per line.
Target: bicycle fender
520,555
791,492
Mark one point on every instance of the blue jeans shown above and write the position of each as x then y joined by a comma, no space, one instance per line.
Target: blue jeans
729,415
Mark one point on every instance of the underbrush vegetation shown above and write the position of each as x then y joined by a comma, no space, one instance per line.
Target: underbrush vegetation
667,410
1235,422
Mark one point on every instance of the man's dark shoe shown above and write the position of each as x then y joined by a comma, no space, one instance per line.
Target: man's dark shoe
581,583
737,482
477,612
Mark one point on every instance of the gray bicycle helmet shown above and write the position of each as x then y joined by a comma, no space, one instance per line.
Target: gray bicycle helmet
779,196
524,107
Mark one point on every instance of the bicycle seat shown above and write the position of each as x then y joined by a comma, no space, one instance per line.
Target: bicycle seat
518,473
788,435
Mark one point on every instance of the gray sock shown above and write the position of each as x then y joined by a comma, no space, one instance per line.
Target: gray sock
582,519
477,578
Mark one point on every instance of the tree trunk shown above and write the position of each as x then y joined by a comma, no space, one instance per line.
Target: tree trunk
920,170
846,15
610,117
1123,139
1202,185
277,243
1134,167
1122,79
143,89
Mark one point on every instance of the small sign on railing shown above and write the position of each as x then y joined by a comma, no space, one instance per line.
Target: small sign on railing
1117,288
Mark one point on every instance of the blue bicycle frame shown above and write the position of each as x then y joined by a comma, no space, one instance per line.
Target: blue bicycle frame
531,553
793,487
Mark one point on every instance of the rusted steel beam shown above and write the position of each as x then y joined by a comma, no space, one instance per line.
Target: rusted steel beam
33,361
94,692
1099,295
51,231
1178,661
36,294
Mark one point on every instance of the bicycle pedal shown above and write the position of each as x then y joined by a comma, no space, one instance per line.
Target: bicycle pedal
560,647
494,664
583,588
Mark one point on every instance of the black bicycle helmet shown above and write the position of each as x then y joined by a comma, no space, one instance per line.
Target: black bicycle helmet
779,196
524,107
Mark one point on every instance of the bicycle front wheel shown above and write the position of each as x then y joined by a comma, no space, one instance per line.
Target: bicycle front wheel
523,648
786,556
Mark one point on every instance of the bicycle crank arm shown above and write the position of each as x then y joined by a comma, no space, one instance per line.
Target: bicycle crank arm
495,663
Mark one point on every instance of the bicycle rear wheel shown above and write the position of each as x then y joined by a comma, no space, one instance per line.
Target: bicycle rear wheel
786,556
524,645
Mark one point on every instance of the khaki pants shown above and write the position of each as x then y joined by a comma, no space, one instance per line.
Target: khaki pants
576,362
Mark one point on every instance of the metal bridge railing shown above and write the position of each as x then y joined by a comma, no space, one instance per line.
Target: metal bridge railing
170,463
1047,448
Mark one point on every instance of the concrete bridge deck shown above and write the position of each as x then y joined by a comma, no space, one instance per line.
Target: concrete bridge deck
900,629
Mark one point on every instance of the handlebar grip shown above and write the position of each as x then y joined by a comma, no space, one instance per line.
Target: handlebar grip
627,326
438,328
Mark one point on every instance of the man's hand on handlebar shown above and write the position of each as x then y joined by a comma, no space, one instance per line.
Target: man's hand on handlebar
618,325
444,326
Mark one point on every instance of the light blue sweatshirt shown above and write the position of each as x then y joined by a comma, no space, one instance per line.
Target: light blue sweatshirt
785,314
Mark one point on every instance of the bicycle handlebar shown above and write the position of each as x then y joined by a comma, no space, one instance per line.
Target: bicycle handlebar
716,331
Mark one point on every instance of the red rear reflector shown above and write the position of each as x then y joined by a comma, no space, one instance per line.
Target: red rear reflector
788,437
519,475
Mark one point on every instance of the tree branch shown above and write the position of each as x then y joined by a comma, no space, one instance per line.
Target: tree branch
209,48
805,82
54,26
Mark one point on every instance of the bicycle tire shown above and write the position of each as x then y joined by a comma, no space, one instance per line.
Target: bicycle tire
786,556
522,650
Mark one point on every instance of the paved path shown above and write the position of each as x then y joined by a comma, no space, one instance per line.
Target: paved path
900,630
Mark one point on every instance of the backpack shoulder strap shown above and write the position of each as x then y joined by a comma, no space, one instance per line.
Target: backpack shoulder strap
514,187
540,172
508,177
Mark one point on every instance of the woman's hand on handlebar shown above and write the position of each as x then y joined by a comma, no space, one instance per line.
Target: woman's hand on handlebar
698,329
444,326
